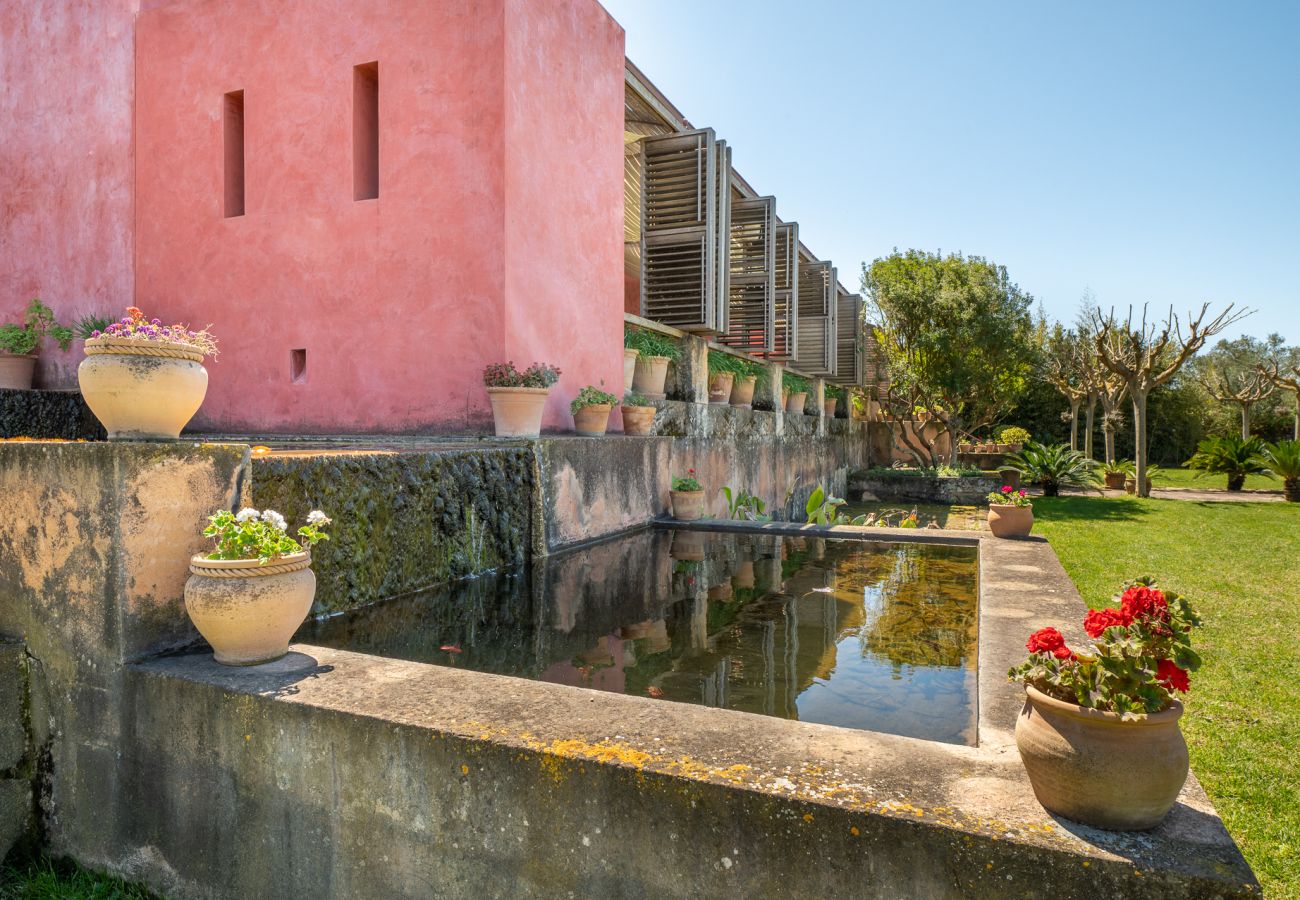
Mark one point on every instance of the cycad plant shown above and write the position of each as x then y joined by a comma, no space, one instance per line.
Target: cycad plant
1054,466
1283,460
1233,456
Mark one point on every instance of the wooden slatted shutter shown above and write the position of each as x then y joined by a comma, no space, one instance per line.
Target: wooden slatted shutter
848,339
752,265
722,238
785,314
816,304
679,230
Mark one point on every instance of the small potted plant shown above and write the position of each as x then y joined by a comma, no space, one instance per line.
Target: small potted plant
795,389
831,401
742,386
1130,478
20,344
145,380
638,414
249,595
518,398
722,372
591,409
1099,732
630,353
1011,514
687,497
1013,439
654,353
1116,472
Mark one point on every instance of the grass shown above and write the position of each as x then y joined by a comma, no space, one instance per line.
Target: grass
1190,478
1238,562
47,879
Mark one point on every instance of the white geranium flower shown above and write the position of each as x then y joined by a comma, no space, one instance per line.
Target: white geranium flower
316,517
273,518
247,514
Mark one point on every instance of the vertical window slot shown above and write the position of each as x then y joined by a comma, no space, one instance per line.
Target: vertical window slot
233,131
297,366
365,131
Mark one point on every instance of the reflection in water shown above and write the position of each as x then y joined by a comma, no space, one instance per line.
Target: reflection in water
860,634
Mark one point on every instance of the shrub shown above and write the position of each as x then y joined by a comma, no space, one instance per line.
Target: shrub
1283,460
591,396
538,375
1054,466
38,321
1233,456
650,343
1014,435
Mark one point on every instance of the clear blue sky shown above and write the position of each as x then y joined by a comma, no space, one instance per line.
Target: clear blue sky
1149,151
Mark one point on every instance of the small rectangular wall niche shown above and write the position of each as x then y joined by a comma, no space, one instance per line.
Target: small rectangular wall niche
297,366
365,131
233,131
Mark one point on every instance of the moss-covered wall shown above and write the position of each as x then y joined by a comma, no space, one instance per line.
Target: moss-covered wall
57,415
403,521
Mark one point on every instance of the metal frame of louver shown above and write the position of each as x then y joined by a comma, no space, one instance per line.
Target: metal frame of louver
722,233
683,218
815,338
849,368
752,264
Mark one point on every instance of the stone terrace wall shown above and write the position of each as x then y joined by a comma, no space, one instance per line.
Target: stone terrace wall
16,762
61,415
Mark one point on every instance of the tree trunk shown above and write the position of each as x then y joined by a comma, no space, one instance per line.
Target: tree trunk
1236,482
1296,432
1245,421
1108,438
1074,424
1142,488
1087,437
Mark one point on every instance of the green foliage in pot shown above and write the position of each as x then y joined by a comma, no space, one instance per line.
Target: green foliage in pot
1233,456
1120,467
591,396
38,321
794,384
649,343
1014,435
1054,466
632,398
263,536
687,483
1283,460
834,392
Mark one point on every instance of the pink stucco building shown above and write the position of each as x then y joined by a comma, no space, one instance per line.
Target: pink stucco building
367,201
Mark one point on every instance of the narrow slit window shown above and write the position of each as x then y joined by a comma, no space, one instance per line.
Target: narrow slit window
297,366
365,131
233,131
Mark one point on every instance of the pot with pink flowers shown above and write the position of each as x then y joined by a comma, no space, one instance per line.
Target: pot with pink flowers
1011,513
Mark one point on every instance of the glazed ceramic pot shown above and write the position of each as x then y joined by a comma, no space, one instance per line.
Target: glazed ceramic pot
829,406
1010,478
1010,521
1094,767
638,420
142,390
720,388
649,377
629,367
16,371
794,403
248,611
742,391
591,421
687,505
1115,481
517,411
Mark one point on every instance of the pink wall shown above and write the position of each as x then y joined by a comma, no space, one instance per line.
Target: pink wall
65,163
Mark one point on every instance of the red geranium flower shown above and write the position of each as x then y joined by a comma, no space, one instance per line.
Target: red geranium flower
1063,652
1172,677
1098,620
1142,602
1045,640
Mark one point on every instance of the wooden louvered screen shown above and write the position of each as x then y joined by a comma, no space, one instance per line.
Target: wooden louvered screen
785,309
848,339
815,341
683,214
722,236
752,265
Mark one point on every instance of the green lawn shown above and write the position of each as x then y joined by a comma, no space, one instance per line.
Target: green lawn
1189,478
1240,564
45,879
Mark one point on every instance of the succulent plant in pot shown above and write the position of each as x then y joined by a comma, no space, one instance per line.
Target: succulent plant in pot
145,380
654,352
591,409
251,592
20,344
518,398
687,497
638,414
1099,733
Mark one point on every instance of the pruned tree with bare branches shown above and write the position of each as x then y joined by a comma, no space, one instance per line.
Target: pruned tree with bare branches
1285,379
1146,354
1240,387
1061,367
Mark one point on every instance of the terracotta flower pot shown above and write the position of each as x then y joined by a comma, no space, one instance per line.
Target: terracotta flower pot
638,420
1093,767
629,367
720,591
687,505
142,390
591,421
720,388
1115,481
687,545
829,405
742,391
1010,477
246,611
649,376
794,403
744,577
517,411
1010,521
16,371
1130,484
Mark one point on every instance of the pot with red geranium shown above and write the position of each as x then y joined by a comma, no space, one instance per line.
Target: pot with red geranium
518,398
1011,513
687,497
1099,733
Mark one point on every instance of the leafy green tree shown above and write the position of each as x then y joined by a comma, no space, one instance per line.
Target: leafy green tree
1234,373
956,337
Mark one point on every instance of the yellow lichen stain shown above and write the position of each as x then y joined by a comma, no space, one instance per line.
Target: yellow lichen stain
248,737
464,769
807,817
1087,863
853,830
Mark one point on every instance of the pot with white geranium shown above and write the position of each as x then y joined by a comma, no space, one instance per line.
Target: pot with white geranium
249,595
1011,513
1099,733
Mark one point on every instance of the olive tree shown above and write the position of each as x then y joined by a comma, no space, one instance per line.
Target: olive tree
955,336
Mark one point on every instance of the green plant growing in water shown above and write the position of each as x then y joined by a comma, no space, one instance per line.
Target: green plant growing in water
1283,460
743,505
38,321
1232,456
1054,466
648,344
591,396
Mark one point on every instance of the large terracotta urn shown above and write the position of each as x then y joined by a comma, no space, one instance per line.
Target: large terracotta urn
517,411
142,390
1094,767
17,370
247,610
649,376
1007,521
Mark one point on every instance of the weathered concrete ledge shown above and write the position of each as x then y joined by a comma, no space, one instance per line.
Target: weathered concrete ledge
338,774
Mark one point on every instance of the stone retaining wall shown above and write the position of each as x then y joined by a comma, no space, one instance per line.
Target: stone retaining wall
16,757
965,491
48,415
